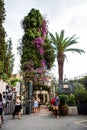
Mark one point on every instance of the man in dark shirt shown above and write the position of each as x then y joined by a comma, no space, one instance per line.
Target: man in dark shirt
56,106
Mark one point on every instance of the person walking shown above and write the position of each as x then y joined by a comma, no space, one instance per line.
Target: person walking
18,108
4,106
35,105
39,103
1,109
56,106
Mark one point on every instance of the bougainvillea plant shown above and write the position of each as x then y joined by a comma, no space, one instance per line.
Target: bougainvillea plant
39,41
33,46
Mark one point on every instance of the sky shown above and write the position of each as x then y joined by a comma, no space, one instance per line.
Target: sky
69,15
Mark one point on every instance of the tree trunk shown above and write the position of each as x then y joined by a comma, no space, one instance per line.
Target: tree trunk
60,59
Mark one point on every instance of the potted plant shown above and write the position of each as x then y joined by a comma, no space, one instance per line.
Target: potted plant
63,107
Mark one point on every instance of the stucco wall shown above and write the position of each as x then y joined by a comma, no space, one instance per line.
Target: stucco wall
2,86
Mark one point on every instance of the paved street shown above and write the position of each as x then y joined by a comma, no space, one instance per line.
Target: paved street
45,121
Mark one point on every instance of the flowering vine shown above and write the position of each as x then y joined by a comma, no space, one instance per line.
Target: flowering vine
39,41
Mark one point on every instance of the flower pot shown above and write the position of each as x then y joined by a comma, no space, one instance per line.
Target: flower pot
82,108
63,109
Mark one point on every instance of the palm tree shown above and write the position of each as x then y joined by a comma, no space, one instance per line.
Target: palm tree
62,45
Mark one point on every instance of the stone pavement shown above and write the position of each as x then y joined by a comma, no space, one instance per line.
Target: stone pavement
44,121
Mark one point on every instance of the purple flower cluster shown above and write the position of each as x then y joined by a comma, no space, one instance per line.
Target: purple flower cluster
43,62
41,51
39,43
41,70
44,28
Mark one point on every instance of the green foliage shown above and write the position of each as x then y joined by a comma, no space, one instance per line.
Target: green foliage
31,49
63,45
2,35
63,107
49,49
1,67
4,76
30,24
6,57
71,100
80,96
2,12
63,98
83,79
9,59
33,19
68,99
80,93
14,81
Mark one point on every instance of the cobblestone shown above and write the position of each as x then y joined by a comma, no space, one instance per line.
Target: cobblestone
45,121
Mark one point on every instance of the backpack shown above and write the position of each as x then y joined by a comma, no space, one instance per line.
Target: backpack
53,101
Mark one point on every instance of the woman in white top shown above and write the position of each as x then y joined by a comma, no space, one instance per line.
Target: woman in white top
35,105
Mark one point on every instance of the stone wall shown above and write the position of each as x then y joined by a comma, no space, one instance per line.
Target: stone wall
72,110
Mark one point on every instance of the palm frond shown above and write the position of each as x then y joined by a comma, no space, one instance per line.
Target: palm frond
72,40
69,41
75,50
53,39
65,57
57,36
65,43
62,35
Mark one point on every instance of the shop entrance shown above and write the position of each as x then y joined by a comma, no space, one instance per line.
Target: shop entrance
41,98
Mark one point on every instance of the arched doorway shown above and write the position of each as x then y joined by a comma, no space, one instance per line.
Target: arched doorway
43,95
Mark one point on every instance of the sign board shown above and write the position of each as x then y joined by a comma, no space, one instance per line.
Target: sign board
66,87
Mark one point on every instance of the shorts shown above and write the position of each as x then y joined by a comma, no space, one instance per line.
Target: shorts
55,107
